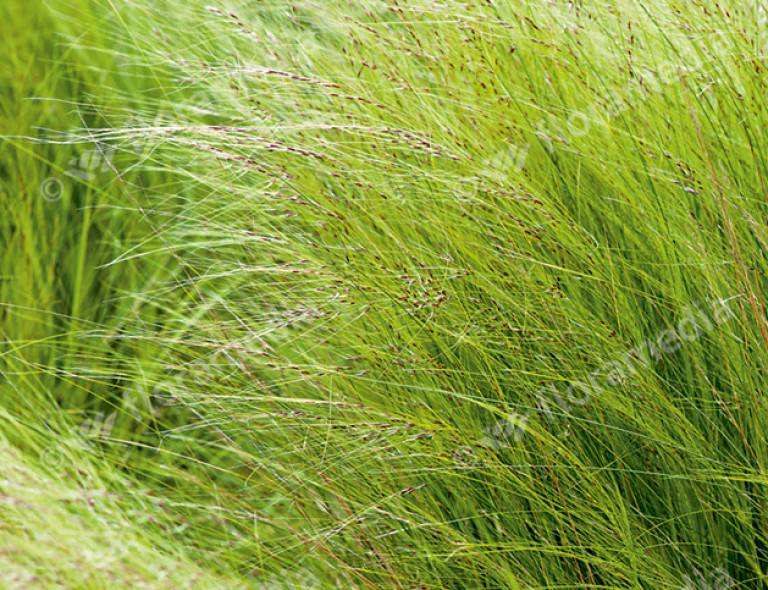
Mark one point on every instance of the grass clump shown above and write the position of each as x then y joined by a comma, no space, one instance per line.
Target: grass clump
411,295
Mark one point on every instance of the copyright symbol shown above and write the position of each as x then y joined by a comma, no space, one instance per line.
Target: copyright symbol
52,458
52,189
